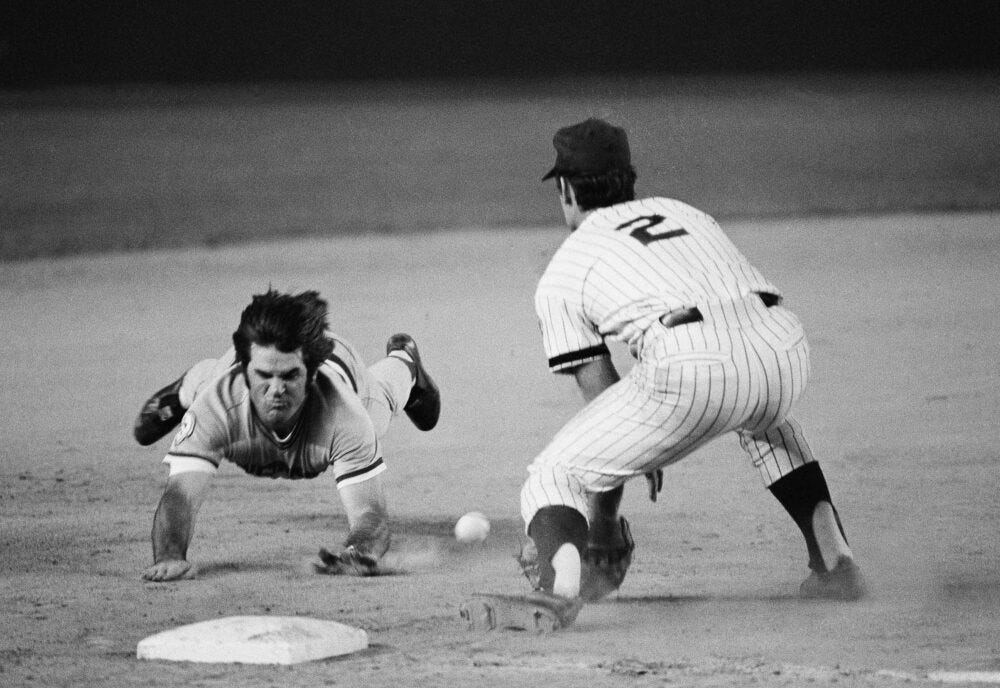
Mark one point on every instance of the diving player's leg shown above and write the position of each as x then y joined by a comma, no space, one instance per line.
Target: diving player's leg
398,381
164,409
386,384
423,403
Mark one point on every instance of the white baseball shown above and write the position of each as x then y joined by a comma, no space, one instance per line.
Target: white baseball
472,527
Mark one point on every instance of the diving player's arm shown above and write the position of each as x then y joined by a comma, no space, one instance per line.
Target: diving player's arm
173,525
356,458
364,506
368,536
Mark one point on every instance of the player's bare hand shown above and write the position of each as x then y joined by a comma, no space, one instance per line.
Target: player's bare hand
171,569
655,480
349,561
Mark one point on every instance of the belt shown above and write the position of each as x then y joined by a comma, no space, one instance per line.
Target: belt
770,300
681,317
692,315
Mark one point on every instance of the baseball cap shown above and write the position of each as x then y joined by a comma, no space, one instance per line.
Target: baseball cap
590,147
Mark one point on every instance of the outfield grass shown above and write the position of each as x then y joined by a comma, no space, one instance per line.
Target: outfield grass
131,168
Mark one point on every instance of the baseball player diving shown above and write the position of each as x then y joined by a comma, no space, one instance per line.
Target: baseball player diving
289,400
716,352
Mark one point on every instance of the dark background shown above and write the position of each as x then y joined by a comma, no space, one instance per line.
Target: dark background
73,42
137,125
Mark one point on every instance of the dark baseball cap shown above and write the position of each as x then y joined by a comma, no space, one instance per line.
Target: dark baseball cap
590,147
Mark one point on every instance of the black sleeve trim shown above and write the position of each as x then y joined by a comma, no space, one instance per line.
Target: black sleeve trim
334,358
360,471
591,352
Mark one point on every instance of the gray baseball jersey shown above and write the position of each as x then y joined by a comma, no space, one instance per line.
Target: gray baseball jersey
348,410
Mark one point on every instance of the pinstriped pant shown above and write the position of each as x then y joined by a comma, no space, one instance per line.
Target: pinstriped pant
740,370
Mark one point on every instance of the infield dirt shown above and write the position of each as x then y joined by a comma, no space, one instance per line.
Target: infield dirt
902,411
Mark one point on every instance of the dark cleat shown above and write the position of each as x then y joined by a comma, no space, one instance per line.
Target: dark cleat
160,414
843,582
538,612
424,405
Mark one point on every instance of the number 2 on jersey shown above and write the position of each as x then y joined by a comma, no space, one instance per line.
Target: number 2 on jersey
641,225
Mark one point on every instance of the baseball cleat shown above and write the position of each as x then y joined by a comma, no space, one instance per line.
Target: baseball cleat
539,612
160,414
843,582
424,405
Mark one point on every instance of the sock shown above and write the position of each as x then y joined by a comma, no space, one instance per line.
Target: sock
567,567
829,535
806,498
551,529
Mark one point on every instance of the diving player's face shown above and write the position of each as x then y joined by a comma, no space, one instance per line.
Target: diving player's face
278,383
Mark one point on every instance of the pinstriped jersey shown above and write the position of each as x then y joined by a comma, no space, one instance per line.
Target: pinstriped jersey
333,429
625,267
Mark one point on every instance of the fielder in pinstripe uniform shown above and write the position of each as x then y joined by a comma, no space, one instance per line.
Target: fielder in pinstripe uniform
289,400
716,352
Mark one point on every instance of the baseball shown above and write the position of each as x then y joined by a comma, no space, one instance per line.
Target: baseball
472,527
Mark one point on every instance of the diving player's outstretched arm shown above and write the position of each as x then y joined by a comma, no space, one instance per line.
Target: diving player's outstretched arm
173,525
368,537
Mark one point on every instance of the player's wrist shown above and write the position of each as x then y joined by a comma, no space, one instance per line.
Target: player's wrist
368,544
369,535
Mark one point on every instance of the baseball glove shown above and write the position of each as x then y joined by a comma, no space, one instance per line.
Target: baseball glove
604,565
606,561
349,561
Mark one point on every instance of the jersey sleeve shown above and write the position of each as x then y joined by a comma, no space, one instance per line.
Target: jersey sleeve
568,336
202,435
355,452
347,363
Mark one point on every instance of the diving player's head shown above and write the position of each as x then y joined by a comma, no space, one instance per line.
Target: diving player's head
593,168
281,342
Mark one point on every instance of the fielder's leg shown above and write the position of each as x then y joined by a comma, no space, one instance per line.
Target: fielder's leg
560,535
795,479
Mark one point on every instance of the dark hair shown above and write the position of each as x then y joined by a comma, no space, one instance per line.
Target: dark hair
287,322
603,190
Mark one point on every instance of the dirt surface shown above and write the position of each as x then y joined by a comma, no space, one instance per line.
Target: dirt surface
902,411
